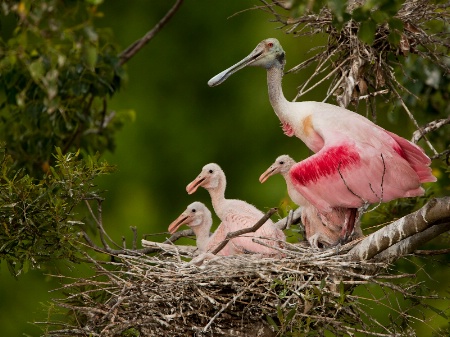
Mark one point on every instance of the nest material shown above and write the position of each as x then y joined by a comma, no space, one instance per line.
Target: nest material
360,70
307,292
233,296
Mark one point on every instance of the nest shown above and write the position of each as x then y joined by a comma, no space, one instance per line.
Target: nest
232,296
306,292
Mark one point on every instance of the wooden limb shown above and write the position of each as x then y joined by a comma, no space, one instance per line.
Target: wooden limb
430,127
410,244
433,251
436,211
445,154
254,228
181,234
169,247
128,53
295,219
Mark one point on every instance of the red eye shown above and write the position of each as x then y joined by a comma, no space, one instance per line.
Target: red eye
270,44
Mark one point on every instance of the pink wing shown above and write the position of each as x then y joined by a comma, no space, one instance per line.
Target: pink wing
217,238
350,174
244,217
416,157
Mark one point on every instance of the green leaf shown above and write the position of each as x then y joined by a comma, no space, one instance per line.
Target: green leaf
36,69
379,17
394,38
366,31
272,323
360,15
395,23
438,311
90,56
322,284
290,315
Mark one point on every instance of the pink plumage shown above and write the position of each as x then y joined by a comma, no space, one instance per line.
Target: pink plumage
356,161
322,230
198,217
237,214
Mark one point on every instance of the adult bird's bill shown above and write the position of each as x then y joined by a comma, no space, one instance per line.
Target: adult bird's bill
260,56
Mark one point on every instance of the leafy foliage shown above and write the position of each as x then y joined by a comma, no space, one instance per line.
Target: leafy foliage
57,71
38,223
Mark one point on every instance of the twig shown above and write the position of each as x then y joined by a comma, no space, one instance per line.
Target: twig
134,230
128,53
255,227
414,120
445,153
373,94
432,252
432,126
181,234
227,305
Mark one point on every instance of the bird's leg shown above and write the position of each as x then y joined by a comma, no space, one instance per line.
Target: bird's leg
349,225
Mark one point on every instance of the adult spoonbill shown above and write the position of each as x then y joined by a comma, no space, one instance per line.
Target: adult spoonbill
321,229
237,214
198,217
356,162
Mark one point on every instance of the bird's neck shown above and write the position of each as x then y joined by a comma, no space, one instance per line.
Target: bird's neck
202,235
276,96
218,198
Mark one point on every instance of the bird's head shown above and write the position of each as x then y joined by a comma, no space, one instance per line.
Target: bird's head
209,178
281,165
267,54
194,216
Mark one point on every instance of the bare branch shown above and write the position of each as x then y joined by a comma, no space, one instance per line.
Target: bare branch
430,127
128,53
435,212
410,244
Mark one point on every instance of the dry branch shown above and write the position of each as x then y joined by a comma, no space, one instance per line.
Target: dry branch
128,53
435,212
430,127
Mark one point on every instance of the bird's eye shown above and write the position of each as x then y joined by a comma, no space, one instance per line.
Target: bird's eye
270,44
281,162
211,171
193,210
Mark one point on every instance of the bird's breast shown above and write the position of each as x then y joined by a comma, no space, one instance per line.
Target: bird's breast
307,133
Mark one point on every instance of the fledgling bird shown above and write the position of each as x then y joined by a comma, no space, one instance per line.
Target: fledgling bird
237,214
356,162
320,231
198,217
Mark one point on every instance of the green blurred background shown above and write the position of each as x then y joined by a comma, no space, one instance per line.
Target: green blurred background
180,125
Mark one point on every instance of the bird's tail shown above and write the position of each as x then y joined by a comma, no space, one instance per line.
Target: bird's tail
416,157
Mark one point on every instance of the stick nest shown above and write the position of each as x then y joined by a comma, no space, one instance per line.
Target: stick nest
359,70
233,296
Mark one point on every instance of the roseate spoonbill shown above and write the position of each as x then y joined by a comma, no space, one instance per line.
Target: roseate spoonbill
237,214
320,230
198,217
356,162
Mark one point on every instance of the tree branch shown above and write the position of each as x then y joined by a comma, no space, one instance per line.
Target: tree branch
436,211
128,53
410,244
430,127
